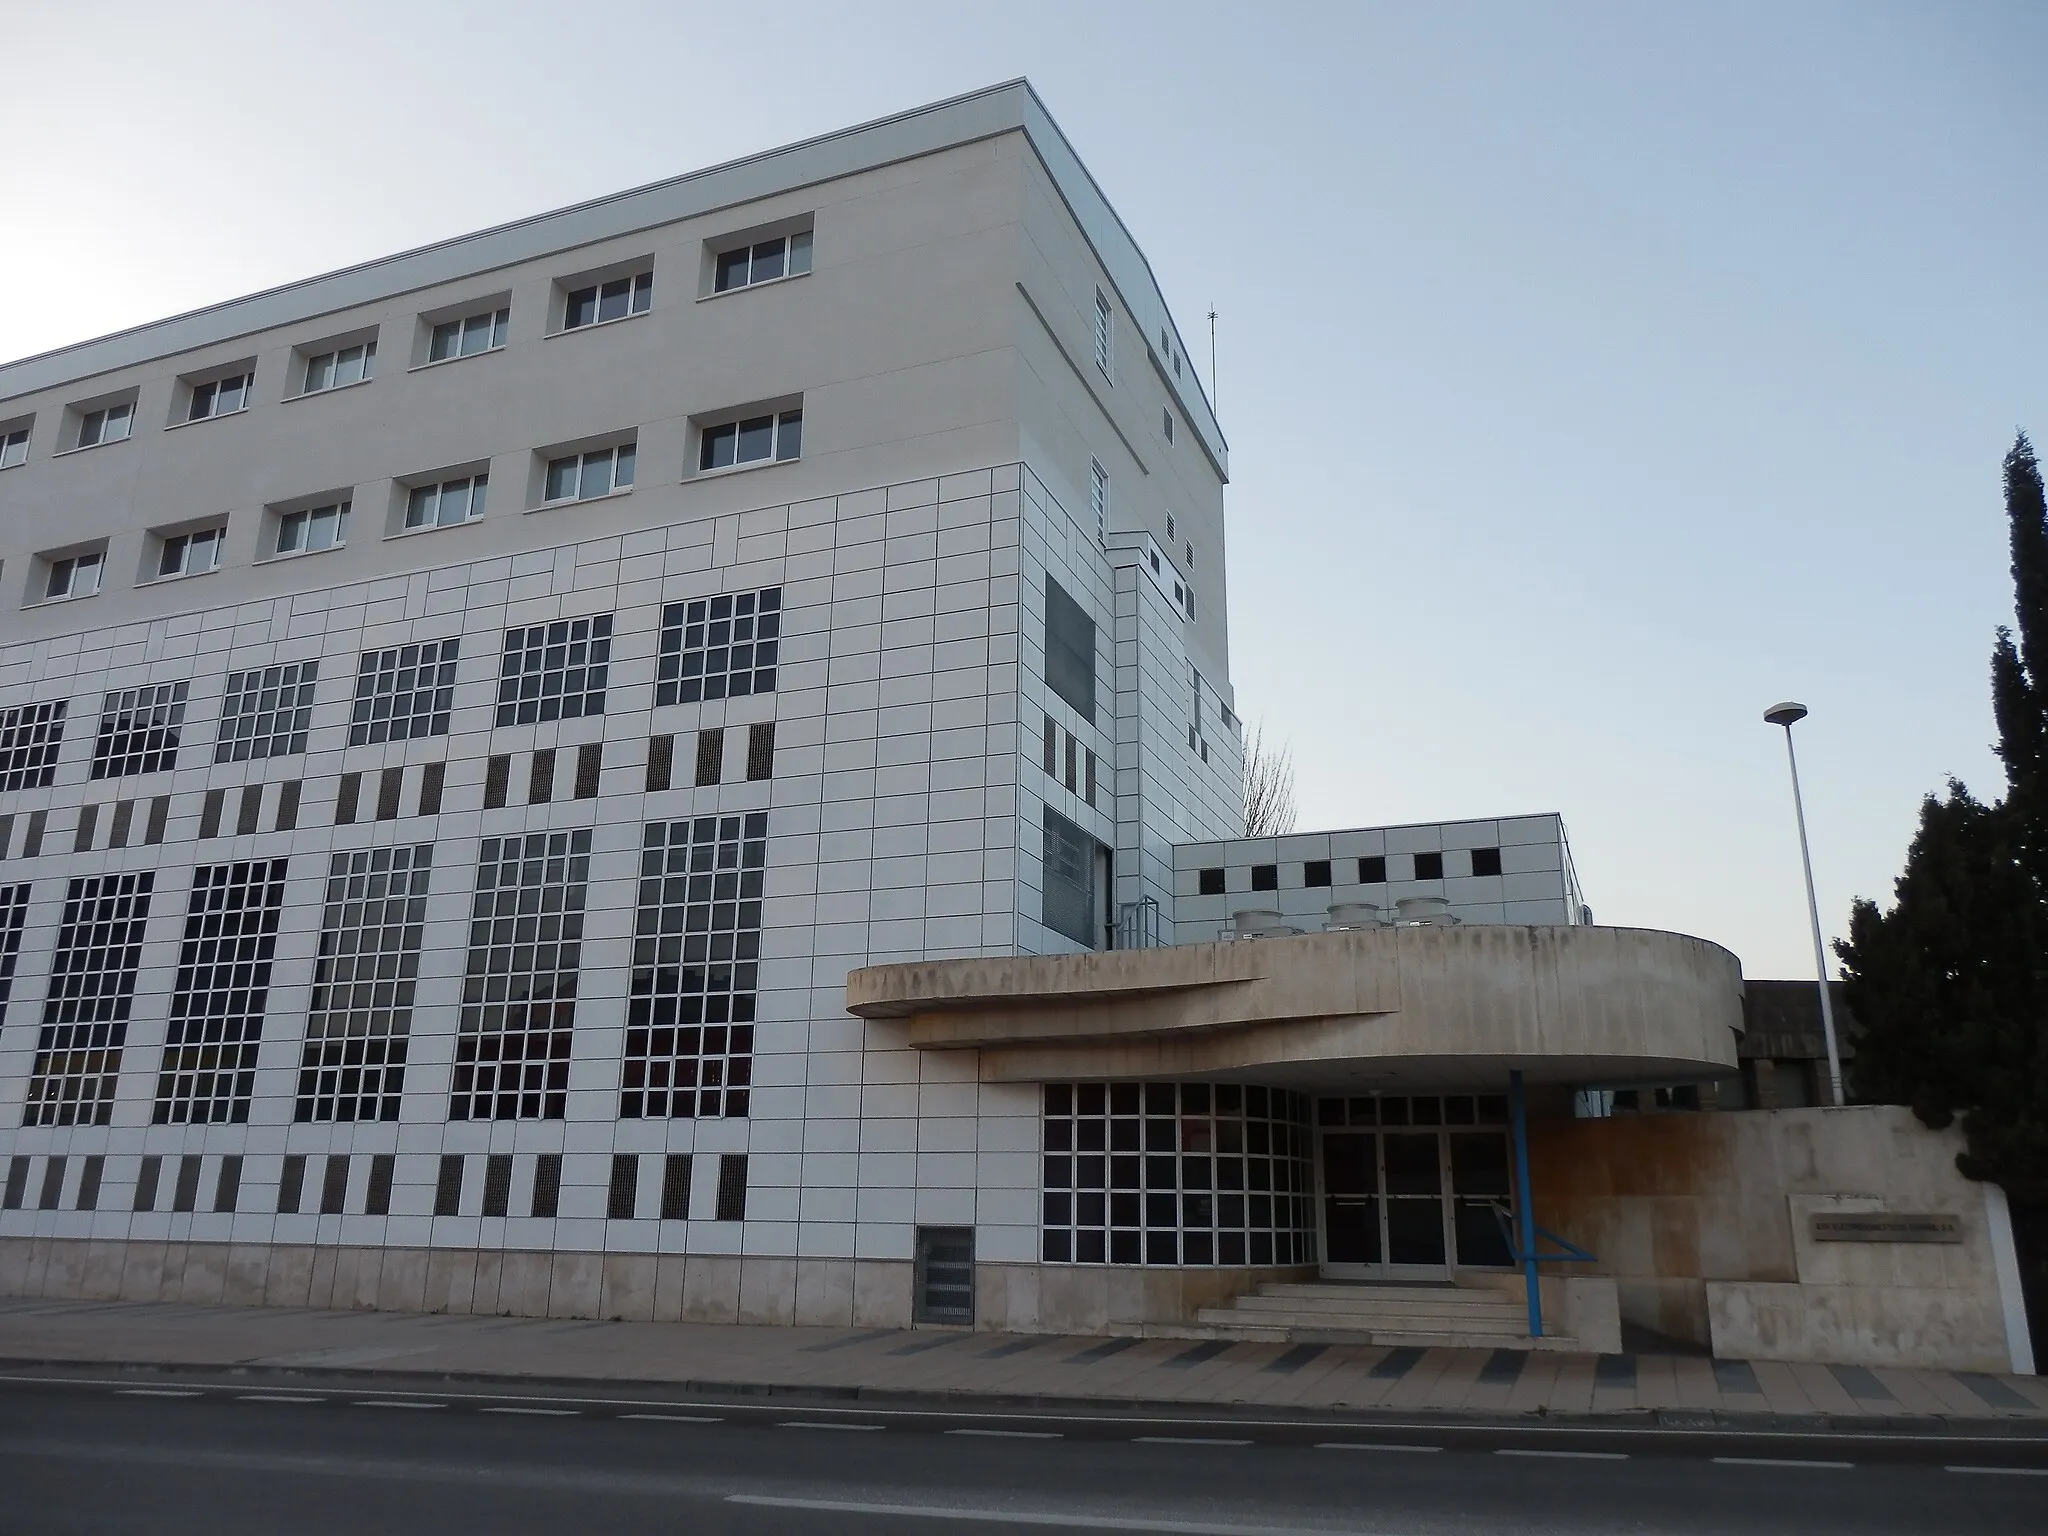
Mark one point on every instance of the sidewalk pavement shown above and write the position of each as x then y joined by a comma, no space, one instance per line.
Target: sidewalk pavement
1040,1368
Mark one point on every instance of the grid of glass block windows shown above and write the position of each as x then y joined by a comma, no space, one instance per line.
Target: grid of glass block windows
1177,1173
13,910
353,1064
519,996
403,692
554,671
719,647
85,1015
209,1064
696,952
266,712
29,737
139,730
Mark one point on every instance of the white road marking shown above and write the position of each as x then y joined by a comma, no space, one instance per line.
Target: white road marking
821,1424
1567,1455
1010,1434
552,1413
1781,1461
381,1402
1356,1445
1074,1520
156,1392
2001,1471
673,1418
272,1397
1184,1440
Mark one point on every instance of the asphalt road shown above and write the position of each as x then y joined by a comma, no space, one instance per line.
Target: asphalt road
166,1454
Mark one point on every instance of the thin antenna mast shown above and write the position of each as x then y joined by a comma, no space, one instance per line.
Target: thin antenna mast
1212,360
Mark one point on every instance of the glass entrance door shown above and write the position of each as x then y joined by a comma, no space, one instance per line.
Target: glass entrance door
1410,1185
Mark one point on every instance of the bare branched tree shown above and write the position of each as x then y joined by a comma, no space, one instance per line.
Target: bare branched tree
1268,786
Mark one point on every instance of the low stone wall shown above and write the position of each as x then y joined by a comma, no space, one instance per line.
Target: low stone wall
1703,1221
703,1288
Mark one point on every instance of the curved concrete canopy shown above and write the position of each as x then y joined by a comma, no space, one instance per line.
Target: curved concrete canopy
1383,1008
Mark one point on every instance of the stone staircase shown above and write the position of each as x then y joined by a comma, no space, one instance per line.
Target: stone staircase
1471,1316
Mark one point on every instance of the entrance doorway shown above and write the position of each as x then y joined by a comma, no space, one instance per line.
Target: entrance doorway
1409,1183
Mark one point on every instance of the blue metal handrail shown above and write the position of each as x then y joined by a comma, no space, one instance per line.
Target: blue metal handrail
1573,1253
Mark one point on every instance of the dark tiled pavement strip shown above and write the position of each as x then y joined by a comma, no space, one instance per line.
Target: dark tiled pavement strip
1615,1371
1397,1363
1860,1384
850,1340
1503,1367
1102,1351
1208,1350
1736,1376
1014,1347
1992,1390
936,1341
1295,1358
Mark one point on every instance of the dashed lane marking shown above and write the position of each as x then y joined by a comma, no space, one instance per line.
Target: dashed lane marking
1010,1434
1781,1461
672,1418
546,1413
275,1397
822,1424
156,1392
387,1402
1359,1445
2000,1471
1184,1440
1565,1455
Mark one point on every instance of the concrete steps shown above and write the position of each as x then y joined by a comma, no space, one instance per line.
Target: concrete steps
1455,1316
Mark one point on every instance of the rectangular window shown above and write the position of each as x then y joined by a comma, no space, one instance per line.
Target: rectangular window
1166,426
710,755
227,1185
589,765
540,777
291,1184
32,835
92,987
624,1193
761,750
615,300
13,912
1315,874
763,262
266,712
1052,747
390,789
1069,650
109,424
89,1178
403,692
661,762
210,812
1098,498
147,1175
432,777
191,554
498,1184
547,1184
497,780
159,817
1070,891
696,953
719,647
88,823
53,1184
288,805
446,503
579,477
334,1184
943,1279
185,1194
139,729
377,1197
13,447
249,817
220,397
675,1186
554,671
76,575
448,1185
209,1062
483,331
756,440
1209,882
348,796
17,1182
732,1187
312,529
344,365
353,1064
1105,330
29,737
519,996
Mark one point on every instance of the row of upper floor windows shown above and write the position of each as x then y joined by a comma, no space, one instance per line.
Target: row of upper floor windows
448,334
718,647
736,438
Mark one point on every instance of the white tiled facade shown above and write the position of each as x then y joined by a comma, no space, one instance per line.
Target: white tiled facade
959,428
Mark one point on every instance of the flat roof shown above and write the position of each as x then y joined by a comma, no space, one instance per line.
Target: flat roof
1010,107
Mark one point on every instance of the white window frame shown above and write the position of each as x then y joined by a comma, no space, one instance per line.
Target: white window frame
638,288
785,440
580,464
14,446
71,569
434,497
207,541
365,362
1098,498
310,521
98,421
794,260
1105,334
496,319
209,391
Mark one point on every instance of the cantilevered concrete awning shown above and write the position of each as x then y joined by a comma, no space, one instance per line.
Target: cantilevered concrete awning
1379,1008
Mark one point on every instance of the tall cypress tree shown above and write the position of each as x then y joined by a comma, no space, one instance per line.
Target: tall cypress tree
1950,985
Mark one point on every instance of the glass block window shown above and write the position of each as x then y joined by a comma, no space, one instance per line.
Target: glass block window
696,948
209,1062
403,692
266,712
29,737
139,730
719,647
519,997
13,911
554,671
353,1065
1177,1173
85,1015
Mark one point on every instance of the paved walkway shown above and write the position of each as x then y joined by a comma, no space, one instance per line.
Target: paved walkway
1041,1367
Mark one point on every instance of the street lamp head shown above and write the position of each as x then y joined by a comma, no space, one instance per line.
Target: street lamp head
1784,714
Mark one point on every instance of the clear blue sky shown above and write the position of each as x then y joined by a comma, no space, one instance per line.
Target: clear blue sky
1596,374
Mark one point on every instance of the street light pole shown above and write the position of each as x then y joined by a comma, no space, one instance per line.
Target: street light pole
1787,715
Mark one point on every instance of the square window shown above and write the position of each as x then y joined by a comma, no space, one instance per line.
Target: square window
1485,861
1372,870
403,692
1265,877
719,647
139,729
1429,866
30,735
1210,882
1316,873
266,712
554,671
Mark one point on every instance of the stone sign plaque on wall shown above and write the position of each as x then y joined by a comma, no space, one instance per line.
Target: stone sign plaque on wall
1884,1227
